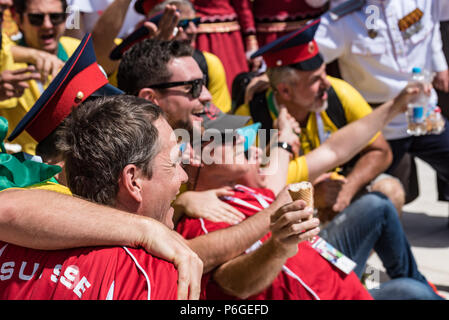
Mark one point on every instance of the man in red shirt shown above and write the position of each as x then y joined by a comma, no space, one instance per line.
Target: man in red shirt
144,166
116,272
281,265
288,263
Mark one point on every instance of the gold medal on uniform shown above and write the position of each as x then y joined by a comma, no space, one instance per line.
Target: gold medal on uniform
411,23
372,33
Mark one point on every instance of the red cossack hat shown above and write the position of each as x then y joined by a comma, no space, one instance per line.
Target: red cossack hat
80,78
297,49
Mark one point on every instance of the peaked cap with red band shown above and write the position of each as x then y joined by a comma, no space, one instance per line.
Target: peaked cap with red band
214,118
145,6
79,79
297,49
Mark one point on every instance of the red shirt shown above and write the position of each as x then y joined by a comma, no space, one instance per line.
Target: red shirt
95,273
304,276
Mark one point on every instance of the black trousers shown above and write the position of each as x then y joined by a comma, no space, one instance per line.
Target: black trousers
432,149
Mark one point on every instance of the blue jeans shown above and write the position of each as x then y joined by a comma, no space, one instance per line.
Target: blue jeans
371,222
404,289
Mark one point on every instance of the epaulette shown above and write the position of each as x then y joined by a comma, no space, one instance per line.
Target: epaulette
345,8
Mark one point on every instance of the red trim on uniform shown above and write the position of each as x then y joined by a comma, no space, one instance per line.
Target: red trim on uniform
291,55
60,105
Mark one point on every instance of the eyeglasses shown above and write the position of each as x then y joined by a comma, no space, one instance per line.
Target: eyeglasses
184,23
195,90
37,19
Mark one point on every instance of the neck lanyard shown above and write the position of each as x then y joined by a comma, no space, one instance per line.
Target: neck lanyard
260,198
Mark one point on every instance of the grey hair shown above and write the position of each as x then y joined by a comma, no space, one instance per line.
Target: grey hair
284,74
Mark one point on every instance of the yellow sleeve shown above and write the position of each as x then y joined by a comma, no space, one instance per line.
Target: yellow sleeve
217,82
298,170
48,185
354,105
7,63
70,44
243,110
51,186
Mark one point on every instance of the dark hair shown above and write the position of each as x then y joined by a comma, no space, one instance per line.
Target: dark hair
47,147
146,62
101,137
20,6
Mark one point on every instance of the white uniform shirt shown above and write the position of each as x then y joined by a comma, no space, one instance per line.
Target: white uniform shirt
94,8
443,9
379,68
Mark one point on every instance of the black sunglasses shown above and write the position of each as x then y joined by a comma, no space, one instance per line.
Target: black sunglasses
185,22
195,90
37,19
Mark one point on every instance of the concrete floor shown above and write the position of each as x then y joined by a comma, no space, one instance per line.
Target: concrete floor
425,222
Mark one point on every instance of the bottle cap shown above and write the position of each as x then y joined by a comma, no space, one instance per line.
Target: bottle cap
416,70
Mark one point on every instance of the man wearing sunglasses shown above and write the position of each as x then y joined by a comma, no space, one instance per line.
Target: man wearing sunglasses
165,73
169,20
42,24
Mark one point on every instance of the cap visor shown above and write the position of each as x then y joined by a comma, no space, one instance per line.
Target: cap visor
107,90
309,65
137,36
225,121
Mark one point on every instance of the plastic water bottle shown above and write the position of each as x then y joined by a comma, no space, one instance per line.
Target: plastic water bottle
417,109
437,121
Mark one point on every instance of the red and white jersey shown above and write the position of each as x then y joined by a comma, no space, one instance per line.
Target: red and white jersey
96,273
305,276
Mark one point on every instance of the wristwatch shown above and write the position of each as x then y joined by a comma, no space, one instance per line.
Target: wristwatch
286,147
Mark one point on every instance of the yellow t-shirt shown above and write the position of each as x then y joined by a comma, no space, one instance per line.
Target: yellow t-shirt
354,106
15,109
217,87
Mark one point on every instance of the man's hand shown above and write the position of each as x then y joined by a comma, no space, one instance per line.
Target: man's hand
46,64
257,84
408,94
290,226
168,23
441,81
207,205
171,246
329,195
14,82
289,129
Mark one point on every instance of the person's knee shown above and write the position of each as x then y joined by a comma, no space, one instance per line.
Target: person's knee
404,289
393,189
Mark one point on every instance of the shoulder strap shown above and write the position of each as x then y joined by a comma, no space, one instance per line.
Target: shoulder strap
201,60
258,108
335,109
238,89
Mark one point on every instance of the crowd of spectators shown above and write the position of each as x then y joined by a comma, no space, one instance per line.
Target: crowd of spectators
148,147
